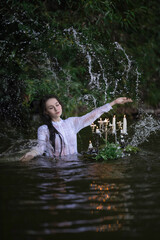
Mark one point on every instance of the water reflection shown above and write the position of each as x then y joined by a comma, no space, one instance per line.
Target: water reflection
108,199
75,195
78,203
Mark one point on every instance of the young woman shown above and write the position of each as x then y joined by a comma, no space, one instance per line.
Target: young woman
58,137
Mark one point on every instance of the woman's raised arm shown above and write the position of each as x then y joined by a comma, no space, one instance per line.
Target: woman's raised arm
87,119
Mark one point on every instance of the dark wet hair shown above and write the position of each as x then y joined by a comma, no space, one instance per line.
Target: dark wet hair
48,121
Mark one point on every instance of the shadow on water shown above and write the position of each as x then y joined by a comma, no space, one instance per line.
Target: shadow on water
75,198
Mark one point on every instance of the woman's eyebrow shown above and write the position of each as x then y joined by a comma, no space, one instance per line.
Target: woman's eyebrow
53,105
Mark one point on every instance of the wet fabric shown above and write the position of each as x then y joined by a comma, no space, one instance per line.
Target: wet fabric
68,130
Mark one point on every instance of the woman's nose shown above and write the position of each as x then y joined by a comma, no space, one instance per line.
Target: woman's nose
55,109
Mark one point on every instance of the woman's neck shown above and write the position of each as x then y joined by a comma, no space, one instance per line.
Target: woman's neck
56,119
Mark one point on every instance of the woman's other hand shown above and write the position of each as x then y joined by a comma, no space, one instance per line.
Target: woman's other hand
28,156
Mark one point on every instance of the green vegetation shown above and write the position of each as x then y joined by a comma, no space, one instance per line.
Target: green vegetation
110,151
131,149
45,48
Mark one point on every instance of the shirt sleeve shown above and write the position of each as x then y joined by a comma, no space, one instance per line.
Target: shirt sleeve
42,135
89,118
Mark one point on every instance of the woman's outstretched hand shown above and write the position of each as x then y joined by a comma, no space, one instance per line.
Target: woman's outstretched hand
121,100
28,156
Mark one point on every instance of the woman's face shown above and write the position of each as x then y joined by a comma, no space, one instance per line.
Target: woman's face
53,109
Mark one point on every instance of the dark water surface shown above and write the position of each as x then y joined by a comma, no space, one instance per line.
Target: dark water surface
75,198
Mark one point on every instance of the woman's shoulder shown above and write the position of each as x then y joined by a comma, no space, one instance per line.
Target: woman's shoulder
43,128
70,120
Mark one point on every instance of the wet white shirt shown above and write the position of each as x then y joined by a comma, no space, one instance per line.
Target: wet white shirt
68,129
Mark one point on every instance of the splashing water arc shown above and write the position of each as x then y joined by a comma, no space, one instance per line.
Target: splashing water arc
102,78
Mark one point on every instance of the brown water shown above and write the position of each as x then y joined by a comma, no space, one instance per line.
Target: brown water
76,198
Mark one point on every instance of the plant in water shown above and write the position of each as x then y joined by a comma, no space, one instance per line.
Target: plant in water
131,149
109,151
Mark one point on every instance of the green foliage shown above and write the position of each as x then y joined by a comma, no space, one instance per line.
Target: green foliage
112,151
131,149
109,152
40,54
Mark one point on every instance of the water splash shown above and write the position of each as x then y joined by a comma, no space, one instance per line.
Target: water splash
17,150
127,67
20,146
104,79
88,98
138,74
143,129
90,56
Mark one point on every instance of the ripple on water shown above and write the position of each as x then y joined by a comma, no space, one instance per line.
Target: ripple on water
76,196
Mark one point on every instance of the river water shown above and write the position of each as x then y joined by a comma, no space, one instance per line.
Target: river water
78,198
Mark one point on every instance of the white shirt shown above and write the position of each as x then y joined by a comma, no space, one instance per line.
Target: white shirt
68,129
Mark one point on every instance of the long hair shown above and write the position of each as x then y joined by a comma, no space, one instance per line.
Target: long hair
48,121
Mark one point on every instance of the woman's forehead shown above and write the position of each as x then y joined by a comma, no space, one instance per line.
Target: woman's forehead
51,101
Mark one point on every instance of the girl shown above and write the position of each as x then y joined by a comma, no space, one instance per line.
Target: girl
58,137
